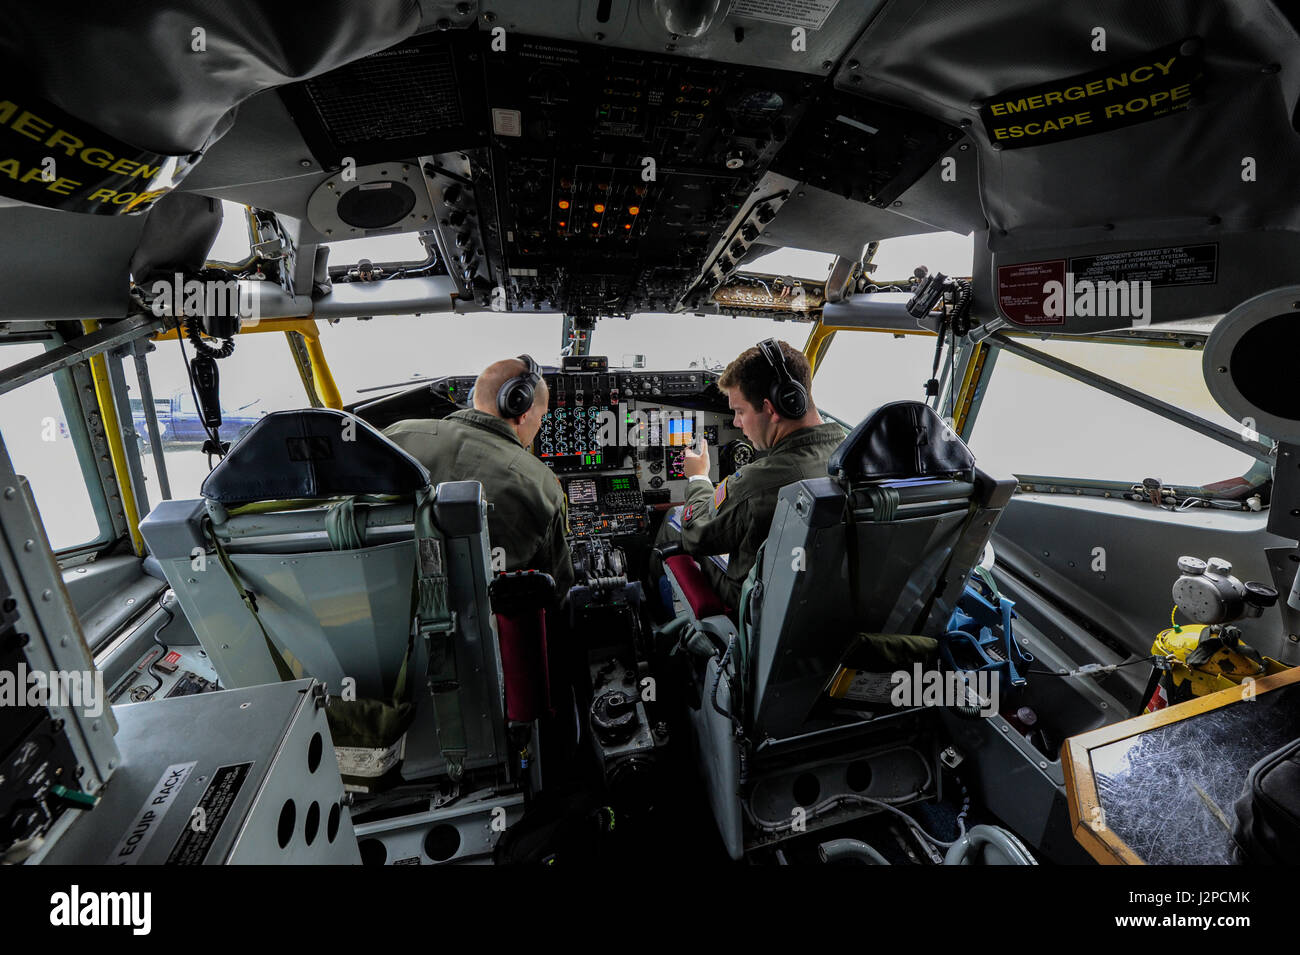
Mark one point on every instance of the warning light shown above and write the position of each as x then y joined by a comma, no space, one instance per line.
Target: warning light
595,225
563,223
634,210
627,225
598,208
564,203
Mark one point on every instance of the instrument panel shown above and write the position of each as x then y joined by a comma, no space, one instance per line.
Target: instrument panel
617,439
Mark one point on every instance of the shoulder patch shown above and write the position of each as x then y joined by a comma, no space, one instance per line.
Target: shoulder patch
686,514
720,494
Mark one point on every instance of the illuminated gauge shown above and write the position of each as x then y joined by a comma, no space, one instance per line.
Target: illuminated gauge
562,447
546,447
757,107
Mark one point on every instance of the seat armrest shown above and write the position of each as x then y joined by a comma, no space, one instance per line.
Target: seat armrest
693,587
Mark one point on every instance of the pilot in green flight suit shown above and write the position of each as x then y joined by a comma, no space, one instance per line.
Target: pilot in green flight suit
489,444
769,391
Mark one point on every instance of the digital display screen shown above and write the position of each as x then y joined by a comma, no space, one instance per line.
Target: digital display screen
680,433
582,491
675,463
620,484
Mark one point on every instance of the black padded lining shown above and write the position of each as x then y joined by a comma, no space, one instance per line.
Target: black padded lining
304,454
903,439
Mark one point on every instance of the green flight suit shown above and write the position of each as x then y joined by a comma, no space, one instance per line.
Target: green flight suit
527,517
734,517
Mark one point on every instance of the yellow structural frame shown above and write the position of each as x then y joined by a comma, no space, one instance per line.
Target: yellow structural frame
322,380
116,443
327,390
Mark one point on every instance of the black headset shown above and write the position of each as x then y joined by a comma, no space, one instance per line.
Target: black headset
516,395
787,395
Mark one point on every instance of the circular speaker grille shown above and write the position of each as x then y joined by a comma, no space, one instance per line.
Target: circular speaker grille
376,205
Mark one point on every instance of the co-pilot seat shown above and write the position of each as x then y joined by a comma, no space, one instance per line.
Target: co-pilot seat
883,545
335,586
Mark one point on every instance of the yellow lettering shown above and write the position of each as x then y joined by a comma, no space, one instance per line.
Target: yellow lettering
1082,119
1078,92
122,198
997,109
7,109
1095,87
1051,98
63,186
146,172
1114,81
10,168
1000,133
126,163
26,121
1017,107
1116,110
1141,105
31,174
1157,96
1181,92
1141,79
1035,101
101,195
108,157
1033,129
1166,66
66,140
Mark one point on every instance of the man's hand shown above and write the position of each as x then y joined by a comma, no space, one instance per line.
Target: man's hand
693,463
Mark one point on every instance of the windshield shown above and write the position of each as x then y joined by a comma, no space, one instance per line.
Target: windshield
393,352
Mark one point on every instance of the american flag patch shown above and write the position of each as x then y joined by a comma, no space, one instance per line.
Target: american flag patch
719,494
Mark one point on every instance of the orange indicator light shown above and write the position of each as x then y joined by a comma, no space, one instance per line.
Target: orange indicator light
564,203
598,208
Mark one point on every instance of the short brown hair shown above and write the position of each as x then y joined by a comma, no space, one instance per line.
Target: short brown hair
754,375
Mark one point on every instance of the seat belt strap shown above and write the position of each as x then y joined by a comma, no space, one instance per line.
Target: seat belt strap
282,665
435,622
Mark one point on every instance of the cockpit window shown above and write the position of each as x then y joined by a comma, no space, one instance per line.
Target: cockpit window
1036,421
796,263
383,355
405,249
39,434
946,252
863,370
233,245
689,340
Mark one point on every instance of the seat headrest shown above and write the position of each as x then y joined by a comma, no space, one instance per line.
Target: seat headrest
312,453
903,439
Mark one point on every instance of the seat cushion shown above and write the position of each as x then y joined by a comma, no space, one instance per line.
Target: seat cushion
696,589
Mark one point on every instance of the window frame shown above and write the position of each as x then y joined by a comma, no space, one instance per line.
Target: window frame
1258,476
75,416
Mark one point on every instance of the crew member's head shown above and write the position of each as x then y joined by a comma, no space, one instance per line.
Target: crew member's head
749,383
488,385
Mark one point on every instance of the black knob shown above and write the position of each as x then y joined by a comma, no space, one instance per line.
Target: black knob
750,232
1260,595
457,218
451,194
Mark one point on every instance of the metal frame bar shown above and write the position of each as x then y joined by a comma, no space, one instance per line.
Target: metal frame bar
116,446
93,343
1155,405
141,349
115,366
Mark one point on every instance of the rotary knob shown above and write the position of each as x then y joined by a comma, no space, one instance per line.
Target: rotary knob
1192,566
1217,565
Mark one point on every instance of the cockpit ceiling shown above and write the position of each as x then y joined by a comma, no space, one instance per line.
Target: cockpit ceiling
276,100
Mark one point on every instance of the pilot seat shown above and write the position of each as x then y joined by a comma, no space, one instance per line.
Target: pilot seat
319,549
878,552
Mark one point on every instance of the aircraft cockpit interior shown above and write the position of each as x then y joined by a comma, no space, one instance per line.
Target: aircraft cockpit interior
778,432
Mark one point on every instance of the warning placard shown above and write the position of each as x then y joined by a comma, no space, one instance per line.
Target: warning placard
50,158
1021,291
1173,265
1162,82
206,818
810,14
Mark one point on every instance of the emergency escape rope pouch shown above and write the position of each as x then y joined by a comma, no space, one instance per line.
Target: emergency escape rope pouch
1268,813
865,675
